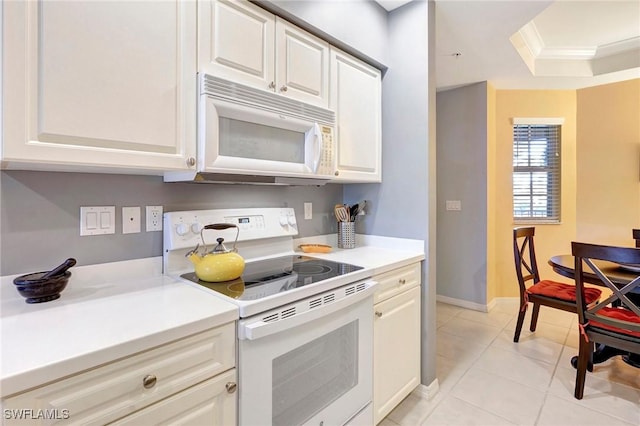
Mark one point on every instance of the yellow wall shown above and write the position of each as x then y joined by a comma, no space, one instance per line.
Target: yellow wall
608,156
551,239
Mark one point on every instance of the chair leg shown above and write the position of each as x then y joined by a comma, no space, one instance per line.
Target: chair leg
534,316
521,315
584,359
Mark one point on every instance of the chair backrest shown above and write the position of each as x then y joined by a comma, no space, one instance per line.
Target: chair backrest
589,254
524,254
636,236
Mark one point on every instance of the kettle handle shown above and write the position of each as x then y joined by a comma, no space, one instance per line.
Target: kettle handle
219,227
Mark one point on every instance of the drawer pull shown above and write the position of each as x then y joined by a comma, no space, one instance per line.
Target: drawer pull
402,281
231,387
149,381
378,314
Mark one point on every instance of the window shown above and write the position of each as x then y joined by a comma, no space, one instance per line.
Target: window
536,170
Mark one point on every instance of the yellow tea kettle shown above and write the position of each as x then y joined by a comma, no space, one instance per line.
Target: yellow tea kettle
219,264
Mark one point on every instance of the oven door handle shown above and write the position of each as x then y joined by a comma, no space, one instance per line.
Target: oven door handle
260,329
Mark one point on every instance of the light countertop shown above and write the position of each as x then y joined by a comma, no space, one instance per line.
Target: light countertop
106,312
111,311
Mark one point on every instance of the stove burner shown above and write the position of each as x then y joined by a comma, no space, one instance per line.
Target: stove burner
311,268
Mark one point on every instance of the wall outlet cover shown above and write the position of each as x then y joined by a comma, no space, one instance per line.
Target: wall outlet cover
154,218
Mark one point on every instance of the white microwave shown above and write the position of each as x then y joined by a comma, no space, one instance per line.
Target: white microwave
247,133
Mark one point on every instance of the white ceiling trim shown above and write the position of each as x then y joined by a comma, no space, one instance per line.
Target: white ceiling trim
560,61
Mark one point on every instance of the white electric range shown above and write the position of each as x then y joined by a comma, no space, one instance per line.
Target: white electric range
306,324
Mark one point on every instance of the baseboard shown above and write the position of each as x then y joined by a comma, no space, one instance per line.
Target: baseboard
427,392
463,303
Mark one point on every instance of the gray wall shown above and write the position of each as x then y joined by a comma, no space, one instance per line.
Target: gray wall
462,175
401,206
40,213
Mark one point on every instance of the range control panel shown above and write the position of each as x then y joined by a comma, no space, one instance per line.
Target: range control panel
183,229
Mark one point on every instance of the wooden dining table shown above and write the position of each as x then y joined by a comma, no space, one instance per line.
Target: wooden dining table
620,276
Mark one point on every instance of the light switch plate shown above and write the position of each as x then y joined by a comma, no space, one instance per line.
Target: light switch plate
97,220
308,211
130,220
454,205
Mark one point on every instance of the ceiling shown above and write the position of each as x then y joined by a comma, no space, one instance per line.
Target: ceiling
521,44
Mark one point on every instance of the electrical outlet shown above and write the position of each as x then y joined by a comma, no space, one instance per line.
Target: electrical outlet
130,220
308,211
154,218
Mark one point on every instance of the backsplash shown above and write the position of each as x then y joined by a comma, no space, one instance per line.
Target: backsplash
40,217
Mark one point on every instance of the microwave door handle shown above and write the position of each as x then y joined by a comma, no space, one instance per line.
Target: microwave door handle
317,147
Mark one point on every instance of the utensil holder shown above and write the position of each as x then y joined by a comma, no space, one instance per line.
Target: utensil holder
346,235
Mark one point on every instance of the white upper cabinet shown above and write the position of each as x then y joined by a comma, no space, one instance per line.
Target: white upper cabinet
99,86
357,100
244,43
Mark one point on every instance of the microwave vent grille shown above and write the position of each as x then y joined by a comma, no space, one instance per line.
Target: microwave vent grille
255,98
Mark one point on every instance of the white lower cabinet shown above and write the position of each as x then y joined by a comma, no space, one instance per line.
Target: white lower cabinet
396,338
184,382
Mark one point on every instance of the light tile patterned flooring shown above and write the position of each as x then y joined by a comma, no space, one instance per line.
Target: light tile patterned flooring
486,379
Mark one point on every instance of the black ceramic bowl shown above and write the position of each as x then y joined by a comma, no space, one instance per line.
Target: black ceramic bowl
37,289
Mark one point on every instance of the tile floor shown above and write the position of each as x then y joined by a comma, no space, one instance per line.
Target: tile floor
486,379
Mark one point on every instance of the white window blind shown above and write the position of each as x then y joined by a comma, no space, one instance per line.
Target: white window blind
536,172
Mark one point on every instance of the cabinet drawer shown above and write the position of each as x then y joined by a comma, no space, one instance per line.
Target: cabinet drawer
114,390
396,281
211,402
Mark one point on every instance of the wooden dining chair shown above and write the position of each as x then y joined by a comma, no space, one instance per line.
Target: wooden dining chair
616,326
636,236
533,290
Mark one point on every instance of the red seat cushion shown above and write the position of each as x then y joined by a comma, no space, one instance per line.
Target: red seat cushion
620,314
563,291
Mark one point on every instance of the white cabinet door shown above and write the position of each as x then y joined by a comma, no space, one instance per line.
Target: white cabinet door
236,42
356,99
212,402
244,43
302,65
396,350
99,84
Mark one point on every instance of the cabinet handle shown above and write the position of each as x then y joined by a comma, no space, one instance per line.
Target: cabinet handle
149,381
191,161
231,387
283,89
402,281
336,173
378,314
272,85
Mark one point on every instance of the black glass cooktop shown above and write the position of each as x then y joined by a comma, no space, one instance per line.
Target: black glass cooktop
271,276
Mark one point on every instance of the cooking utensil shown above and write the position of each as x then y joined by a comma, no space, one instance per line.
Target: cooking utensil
219,264
341,213
60,269
355,209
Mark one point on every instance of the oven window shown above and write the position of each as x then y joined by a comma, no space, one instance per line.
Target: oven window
310,377
249,140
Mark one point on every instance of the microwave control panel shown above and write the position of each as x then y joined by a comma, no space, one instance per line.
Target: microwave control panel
327,164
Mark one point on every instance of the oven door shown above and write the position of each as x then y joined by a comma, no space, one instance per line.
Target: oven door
309,362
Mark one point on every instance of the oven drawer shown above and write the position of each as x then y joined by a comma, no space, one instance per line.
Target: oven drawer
114,390
396,281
